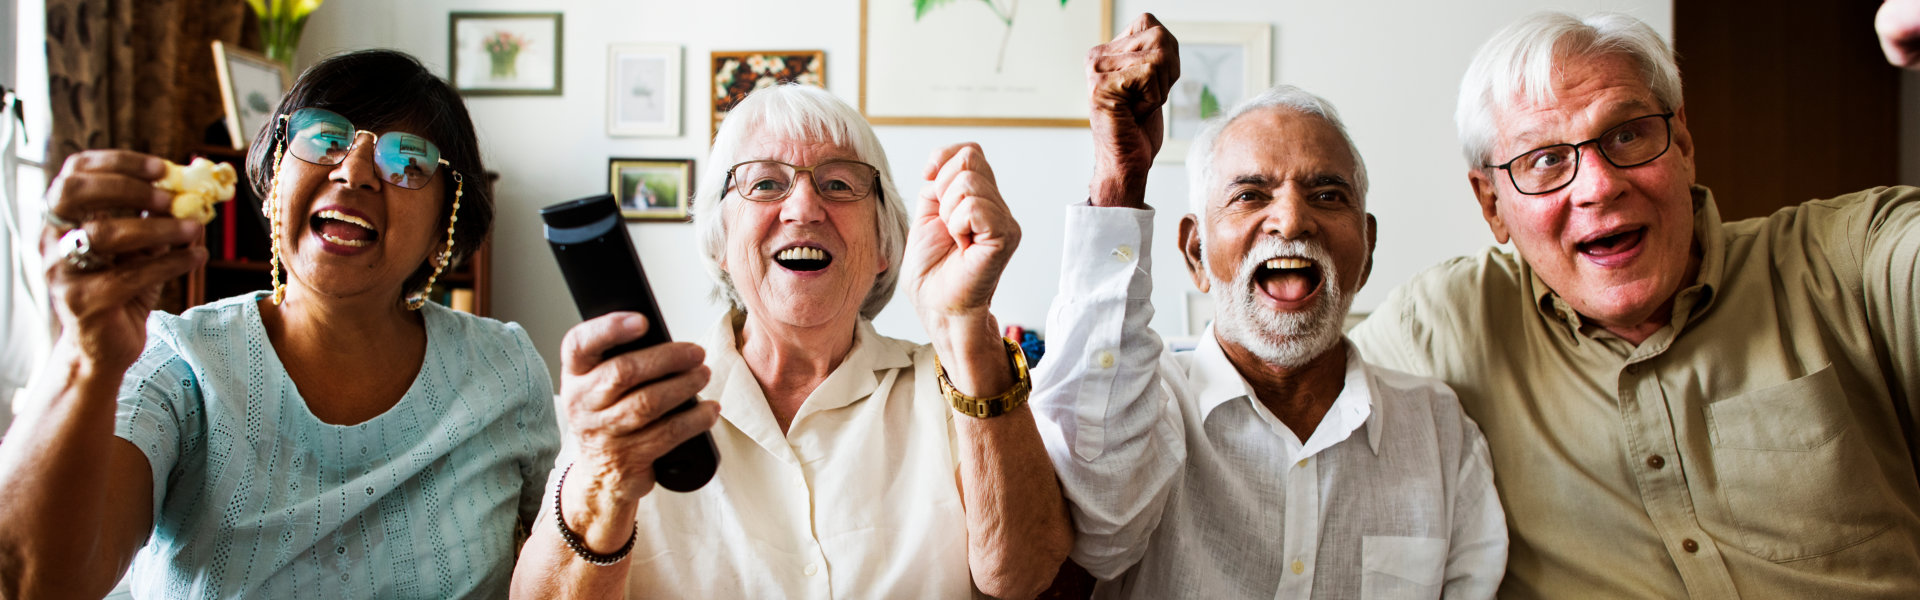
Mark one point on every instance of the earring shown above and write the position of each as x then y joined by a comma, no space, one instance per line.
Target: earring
273,220
419,299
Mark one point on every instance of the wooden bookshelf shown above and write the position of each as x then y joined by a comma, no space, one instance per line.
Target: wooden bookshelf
239,263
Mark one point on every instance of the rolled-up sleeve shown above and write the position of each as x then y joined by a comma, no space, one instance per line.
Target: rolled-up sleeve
1105,409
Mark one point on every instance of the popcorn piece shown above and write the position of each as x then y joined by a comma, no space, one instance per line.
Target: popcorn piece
197,187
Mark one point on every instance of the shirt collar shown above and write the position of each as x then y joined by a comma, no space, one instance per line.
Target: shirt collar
1218,382
854,379
1692,300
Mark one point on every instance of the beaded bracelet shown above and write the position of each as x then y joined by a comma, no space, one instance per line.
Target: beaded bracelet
573,539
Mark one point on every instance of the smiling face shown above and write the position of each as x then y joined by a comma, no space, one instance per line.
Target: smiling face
1285,241
802,261
346,233
1616,244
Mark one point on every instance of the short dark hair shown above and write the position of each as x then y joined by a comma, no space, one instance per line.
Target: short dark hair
378,90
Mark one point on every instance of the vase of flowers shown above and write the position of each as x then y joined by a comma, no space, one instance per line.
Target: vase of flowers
280,24
503,49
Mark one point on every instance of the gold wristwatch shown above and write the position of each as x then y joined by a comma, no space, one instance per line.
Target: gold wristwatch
992,406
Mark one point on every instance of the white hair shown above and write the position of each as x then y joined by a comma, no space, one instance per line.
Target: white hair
1200,155
1519,62
795,112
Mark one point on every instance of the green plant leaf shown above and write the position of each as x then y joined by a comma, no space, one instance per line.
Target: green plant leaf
1209,103
922,7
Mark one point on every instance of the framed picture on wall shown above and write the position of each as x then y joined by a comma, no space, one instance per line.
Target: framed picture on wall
250,89
927,62
736,74
505,54
643,90
651,189
1221,64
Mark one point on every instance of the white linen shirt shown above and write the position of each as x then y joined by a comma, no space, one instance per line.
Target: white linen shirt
860,498
1184,486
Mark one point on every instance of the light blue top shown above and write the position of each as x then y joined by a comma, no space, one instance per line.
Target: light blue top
256,497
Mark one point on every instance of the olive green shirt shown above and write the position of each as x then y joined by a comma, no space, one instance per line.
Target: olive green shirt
1759,445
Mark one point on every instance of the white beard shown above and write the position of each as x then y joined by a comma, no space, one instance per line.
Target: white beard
1284,339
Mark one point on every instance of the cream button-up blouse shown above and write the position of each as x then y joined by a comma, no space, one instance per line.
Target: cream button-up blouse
859,499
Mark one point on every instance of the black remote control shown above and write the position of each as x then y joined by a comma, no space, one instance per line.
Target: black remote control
603,271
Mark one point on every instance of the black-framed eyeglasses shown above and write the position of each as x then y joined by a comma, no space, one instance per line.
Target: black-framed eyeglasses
1546,169
772,180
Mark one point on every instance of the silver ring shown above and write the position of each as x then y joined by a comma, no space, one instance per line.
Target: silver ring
77,246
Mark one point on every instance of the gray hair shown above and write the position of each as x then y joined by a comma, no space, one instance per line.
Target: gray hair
1200,155
797,112
1521,59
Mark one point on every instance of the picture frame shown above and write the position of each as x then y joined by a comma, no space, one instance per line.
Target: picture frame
1221,64
734,74
954,63
643,90
652,189
506,53
251,86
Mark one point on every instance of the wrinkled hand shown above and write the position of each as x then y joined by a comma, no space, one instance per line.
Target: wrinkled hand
103,313
963,235
1899,25
1130,79
613,409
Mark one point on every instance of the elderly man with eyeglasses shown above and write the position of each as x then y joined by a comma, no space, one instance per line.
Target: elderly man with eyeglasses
1676,406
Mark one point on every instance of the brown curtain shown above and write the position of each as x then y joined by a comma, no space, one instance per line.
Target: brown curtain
137,74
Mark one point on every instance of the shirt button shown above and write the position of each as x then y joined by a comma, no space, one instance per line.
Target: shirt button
1124,253
1302,463
344,577
1690,546
1299,567
342,550
1656,462
812,569
1104,359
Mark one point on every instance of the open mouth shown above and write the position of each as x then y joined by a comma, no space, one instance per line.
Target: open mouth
344,229
803,258
1612,244
1288,279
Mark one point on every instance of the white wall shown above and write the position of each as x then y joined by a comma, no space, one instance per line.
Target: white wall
1390,66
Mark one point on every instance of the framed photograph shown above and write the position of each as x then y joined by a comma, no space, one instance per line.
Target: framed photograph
651,189
505,54
250,89
643,90
934,62
1221,64
736,74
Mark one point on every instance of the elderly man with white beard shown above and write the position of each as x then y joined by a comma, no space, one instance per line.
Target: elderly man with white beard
1271,462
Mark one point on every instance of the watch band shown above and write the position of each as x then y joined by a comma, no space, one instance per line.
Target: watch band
996,405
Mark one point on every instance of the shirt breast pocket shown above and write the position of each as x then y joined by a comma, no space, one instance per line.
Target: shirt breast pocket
1796,479
1402,567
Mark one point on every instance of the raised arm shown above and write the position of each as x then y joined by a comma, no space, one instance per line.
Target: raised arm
962,236
76,502
614,422
1107,414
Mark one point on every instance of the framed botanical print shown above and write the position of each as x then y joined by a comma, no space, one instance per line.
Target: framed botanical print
505,54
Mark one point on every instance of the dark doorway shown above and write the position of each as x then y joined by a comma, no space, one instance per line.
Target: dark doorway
1788,100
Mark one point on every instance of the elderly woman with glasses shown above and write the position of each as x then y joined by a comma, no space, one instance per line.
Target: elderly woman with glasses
336,437
852,464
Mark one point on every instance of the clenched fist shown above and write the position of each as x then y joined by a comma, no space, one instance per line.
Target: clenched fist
1130,79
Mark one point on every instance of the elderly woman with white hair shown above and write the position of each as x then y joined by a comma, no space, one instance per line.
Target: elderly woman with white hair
844,471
